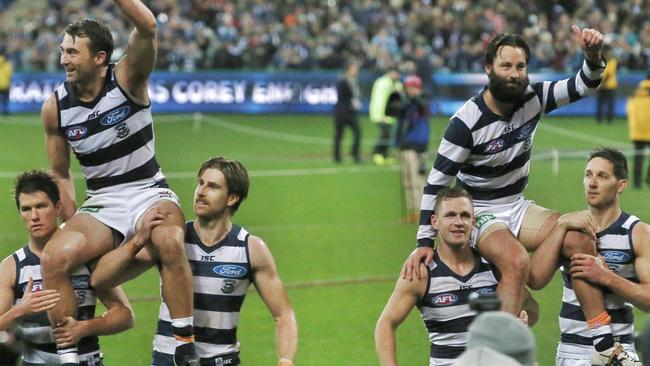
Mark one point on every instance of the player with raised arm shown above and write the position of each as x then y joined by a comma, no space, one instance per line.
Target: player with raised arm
102,112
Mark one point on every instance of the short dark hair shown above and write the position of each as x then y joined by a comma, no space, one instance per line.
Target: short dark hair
33,181
99,35
236,176
505,39
615,157
450,192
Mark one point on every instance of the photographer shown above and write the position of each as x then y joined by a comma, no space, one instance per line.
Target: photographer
442,297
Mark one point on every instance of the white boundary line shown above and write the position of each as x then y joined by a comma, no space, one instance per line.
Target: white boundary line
582,136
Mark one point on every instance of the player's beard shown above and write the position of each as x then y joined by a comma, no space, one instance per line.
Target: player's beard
506,90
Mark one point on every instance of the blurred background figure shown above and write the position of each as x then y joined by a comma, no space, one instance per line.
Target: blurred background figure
348,103
6,70
412,139
385,106
606,100
638,113
501,332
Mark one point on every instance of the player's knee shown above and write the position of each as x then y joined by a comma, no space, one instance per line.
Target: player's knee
168,241
57,260
576,242
520,265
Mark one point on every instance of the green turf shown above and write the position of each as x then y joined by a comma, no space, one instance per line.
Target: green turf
335,231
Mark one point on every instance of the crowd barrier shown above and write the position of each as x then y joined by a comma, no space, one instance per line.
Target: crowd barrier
284,92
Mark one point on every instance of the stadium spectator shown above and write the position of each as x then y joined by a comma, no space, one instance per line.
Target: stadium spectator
619,266
486,147
6,71
412,139
606,100
254,32
385,105
502,333
211,238
442,296
638,114
24,299
346,111
102,112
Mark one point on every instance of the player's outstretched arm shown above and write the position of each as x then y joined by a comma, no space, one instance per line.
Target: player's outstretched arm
546,258
404,298
117,318
132,72
58,153
268,284
595,270
129,260
31,302
590,41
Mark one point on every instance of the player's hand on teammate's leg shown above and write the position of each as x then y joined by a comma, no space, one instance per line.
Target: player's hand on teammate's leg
150,220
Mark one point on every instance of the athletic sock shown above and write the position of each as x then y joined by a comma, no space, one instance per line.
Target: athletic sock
184,335
601,331
68,356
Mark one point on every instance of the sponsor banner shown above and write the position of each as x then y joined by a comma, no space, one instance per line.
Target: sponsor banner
283,92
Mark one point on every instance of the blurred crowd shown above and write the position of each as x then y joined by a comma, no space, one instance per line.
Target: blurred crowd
445,35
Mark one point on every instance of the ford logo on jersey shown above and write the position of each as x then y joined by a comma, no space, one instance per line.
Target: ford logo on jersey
115,116
445,299
485,291
230,270
614,256
495,146
75,133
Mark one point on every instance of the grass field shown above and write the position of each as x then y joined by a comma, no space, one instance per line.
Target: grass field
335,230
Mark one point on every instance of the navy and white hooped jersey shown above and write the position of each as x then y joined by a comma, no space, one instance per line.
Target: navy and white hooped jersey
445,307
616,246
111,136
221,277
37,332
489,155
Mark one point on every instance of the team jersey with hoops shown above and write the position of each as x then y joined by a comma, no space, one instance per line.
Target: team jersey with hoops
616,246
37,332
445,307
489,155
112,136
221,277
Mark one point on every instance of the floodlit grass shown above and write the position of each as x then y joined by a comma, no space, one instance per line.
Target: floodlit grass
335,230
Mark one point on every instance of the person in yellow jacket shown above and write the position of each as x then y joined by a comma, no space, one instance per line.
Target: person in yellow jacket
385,106
638,115
606,101
6,70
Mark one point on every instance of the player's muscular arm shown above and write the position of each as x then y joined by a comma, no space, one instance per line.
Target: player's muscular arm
268,284
132,72
401,302
117,318
594,270
58,153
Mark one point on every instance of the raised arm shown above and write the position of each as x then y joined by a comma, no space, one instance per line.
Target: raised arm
595,270
558,93
132,72
117,318
31,302
58,153
268,284
404,298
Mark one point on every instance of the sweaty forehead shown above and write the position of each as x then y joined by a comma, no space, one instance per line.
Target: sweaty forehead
599,164
510,54
77,42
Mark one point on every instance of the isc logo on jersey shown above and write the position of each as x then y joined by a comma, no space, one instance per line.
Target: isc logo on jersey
115,116
614,256
445,300
230,270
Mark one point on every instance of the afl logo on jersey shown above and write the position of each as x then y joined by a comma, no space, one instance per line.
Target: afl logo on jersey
445,300
613,256
75,133
230,270
495,146
115,116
